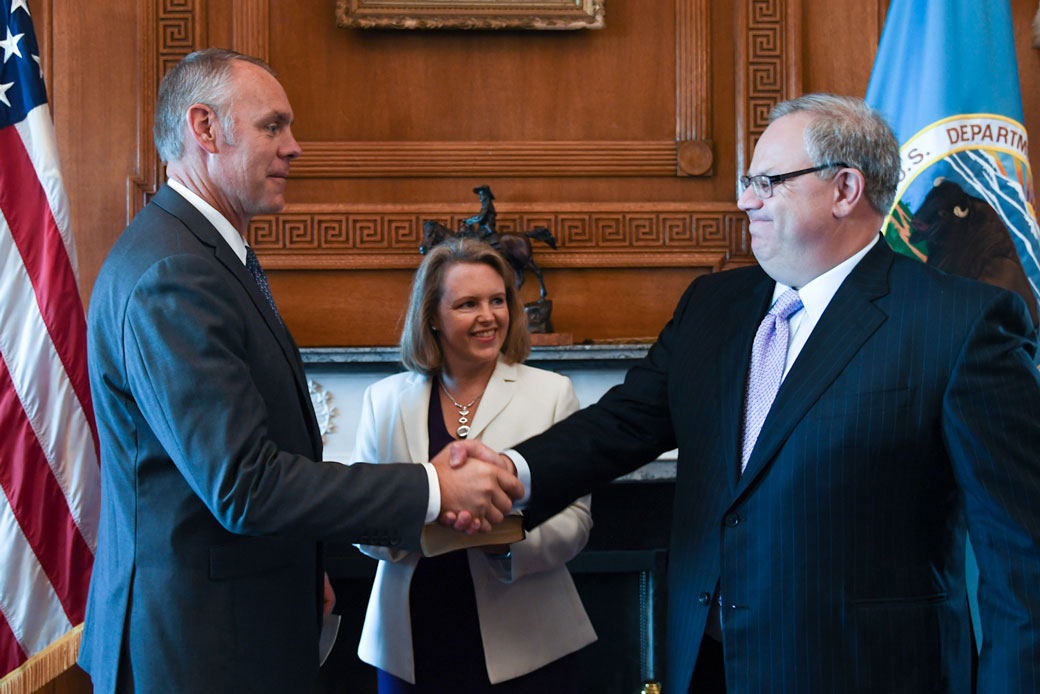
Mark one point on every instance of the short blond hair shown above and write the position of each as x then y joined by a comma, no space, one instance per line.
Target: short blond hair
420,345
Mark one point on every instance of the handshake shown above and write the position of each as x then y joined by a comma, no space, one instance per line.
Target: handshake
478,486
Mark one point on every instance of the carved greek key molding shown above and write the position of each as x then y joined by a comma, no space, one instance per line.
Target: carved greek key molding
168,31
178,31
768,52
633,235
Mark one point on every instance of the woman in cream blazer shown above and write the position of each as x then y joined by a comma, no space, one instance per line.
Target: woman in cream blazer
530,613
527,608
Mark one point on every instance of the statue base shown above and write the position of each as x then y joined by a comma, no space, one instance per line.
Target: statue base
539,316
551,339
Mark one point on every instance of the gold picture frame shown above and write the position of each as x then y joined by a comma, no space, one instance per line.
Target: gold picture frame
470,14
1036,28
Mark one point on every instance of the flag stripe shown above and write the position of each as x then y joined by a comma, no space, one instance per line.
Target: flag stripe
39,507
49,473
11,654
32,614
27,209
43,387
37,135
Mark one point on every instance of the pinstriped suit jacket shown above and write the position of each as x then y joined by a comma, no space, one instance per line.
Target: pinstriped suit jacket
911,415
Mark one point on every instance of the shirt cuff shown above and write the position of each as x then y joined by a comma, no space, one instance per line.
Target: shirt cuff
433,507
523,473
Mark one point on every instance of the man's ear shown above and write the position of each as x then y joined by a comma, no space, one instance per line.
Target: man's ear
849,190
204,126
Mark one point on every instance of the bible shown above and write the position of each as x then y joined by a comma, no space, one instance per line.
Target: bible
438,539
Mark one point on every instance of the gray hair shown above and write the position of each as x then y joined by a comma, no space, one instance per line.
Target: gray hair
203,77
846,129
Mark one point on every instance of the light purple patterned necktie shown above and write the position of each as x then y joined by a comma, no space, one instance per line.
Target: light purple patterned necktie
768,356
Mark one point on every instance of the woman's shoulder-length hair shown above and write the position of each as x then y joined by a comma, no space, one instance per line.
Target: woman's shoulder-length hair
420,345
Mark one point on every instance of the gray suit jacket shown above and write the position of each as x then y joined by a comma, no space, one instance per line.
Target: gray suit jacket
208,574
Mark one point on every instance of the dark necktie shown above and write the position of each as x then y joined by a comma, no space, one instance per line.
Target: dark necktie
253,265
768,357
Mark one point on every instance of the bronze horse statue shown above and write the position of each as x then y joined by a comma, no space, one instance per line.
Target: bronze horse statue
515,247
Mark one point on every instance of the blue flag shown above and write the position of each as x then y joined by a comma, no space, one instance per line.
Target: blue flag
946,80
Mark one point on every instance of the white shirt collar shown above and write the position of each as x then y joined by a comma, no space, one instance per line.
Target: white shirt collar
226,230
818,292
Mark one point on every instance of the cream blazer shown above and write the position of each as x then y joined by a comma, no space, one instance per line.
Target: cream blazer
529,610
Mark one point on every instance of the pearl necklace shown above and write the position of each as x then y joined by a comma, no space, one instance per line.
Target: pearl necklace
463,429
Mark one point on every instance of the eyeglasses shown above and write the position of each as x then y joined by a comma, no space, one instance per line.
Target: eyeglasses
763,184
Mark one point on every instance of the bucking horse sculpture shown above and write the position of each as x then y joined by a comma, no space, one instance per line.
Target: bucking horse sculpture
515,247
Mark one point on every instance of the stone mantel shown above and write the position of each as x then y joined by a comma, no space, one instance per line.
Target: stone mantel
614,355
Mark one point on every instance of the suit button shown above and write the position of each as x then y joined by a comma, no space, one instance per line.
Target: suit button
732,520
704,599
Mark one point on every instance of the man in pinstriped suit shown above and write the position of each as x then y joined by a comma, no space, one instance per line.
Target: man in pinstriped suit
908,413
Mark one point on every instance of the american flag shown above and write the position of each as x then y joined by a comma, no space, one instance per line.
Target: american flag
48,442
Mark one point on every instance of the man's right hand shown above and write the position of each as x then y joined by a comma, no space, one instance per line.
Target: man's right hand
480,491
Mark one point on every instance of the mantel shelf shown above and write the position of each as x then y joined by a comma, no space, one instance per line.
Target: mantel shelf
613,355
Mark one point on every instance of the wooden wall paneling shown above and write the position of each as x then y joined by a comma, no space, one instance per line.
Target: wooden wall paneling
484,86
143,180
595,295
1022,12
357,236
250,21
88,53
41,11
693,87
841,66
366,307
688,153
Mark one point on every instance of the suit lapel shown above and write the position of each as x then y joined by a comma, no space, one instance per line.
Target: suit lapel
496,396
733,369
415,416
848,321
197,224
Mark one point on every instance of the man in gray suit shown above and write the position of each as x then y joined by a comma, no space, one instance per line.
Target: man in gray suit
208,569
843,415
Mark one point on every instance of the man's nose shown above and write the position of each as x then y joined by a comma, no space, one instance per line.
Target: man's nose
292,147
748,200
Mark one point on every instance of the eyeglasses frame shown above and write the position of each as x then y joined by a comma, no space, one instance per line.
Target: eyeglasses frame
749,181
